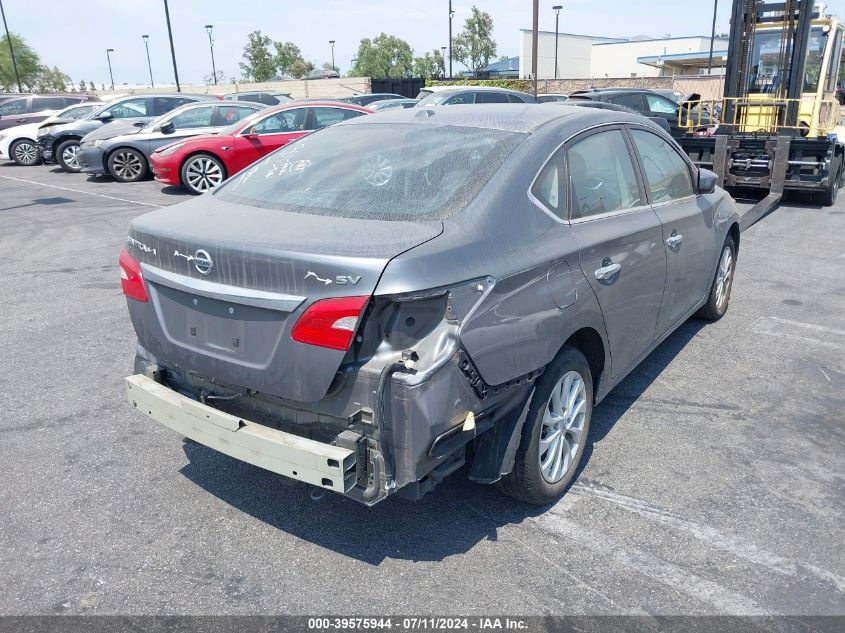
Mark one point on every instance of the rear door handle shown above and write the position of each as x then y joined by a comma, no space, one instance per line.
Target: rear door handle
674,240
606,272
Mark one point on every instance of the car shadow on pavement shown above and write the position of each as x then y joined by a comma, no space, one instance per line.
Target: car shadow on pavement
452,519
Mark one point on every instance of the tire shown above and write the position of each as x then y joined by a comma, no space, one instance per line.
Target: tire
66,155
127,165
534,478
24,152
719,298
827,198
201,173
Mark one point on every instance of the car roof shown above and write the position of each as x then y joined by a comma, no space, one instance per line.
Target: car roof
473,89
510,117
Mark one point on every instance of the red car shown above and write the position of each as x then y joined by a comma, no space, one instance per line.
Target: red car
200,163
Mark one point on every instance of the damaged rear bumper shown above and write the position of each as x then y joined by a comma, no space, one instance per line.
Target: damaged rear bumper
324,465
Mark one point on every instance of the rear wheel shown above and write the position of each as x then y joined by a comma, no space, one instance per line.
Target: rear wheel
24,152
202,172
555,431
720,289
66,155
127,165
827,197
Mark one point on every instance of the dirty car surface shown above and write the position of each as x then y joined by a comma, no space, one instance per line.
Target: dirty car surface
454,287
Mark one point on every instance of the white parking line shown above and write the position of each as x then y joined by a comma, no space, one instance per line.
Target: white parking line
87,193
806,332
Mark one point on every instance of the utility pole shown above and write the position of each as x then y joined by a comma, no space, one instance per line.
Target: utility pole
172,50
535,27
146,39
332,44
109,51
209,28
712,37
11,48
557,9
451,15
443,61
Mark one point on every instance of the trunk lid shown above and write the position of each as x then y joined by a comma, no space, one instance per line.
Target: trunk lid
227,283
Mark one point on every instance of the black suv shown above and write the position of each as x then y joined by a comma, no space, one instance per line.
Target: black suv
61,143
647,102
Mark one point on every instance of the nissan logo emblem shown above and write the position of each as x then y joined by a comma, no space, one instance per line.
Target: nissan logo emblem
203,262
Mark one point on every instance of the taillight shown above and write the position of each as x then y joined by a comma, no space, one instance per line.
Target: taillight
330,322
131,278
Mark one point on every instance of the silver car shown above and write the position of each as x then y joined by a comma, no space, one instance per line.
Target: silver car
459,288
124,152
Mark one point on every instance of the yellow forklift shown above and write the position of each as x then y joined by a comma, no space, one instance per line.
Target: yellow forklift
778,125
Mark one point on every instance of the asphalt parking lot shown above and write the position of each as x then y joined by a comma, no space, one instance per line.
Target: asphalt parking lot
715,482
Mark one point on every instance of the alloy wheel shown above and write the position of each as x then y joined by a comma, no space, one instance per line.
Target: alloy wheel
127,165
203,174
562,428
723,277
69,156
26,153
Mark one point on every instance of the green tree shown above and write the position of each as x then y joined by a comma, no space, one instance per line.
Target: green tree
29,65
383,56
258,64
300,68
474,47
429,66
52,80
91,86
81,85
287,57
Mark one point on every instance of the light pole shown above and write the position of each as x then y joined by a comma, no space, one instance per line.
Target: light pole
557,9
535,29
712,37
108,56
451,15
332,44
172,49
443,60
209,28
11,48
146,39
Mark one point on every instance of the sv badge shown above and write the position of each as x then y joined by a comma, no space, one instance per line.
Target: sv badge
340,280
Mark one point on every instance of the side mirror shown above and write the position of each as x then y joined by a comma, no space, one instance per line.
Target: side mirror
706,181
104,116
139,124
168,128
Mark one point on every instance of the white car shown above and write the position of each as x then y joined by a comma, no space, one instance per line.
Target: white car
19,143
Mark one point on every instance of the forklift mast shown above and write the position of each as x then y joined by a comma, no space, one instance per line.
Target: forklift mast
795,17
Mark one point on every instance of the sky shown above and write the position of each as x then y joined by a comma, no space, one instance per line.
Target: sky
75,35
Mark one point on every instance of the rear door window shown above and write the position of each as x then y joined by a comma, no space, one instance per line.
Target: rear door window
195,117
633,101
667,174
227,115
163,105
515,99
661,105
491,97
601,175
461,98
39,104
548,188
129,108
329,116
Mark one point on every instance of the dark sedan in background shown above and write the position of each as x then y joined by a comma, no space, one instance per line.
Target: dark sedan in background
125,156
457,289
60,144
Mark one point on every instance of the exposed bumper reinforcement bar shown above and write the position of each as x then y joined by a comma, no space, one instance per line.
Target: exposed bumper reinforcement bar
323,465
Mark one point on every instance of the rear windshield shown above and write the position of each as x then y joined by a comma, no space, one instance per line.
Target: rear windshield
376,171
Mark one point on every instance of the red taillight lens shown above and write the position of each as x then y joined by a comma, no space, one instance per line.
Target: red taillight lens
131,278
330,322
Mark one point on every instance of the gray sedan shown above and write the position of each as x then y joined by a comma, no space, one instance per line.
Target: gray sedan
124,152
455,289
